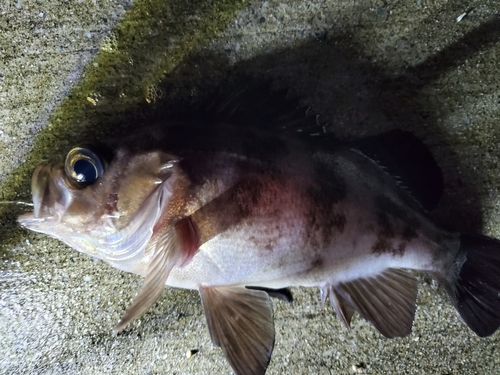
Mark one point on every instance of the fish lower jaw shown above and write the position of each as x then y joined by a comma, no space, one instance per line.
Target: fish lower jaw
38,224
27,219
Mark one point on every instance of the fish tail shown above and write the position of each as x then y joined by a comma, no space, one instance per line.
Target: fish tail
474,283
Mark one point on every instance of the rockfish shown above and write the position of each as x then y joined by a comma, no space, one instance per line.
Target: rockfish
245,201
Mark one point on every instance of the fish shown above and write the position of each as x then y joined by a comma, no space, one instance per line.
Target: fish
250,197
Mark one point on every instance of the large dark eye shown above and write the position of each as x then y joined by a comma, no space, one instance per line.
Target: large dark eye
83,166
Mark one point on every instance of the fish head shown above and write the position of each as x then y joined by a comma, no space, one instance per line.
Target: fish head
106,207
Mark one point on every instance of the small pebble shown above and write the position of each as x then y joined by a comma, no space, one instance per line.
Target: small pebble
461,17
359,367
191,352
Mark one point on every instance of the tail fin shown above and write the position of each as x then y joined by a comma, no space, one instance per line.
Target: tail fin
476,291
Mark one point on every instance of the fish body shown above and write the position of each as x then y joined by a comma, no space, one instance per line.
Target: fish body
282,227
239,214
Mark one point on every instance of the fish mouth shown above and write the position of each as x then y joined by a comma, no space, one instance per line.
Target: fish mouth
51,197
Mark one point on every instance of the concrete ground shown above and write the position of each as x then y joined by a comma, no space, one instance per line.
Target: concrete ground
76,70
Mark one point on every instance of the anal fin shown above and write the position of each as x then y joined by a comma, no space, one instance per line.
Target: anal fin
341,307
388,301
241,322
176,246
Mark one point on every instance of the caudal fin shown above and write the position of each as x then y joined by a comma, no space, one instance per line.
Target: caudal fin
476,291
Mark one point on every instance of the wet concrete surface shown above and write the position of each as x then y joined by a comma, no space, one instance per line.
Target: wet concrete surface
77,71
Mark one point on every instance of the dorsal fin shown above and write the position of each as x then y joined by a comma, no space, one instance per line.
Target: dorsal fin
407,159
402,156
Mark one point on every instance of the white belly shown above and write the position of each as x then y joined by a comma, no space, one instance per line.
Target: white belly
285,255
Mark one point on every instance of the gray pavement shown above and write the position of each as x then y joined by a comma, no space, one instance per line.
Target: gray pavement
77,70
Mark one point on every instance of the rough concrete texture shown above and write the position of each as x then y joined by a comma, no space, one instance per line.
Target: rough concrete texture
76,70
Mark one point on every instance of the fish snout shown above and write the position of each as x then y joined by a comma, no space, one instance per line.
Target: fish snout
51,196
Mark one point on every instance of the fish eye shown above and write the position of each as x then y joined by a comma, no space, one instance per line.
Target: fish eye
83,166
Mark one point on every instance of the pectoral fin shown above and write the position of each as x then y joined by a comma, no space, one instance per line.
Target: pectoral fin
388,301
240,321
175,247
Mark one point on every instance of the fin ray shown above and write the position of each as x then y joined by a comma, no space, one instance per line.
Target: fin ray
341,307
174,248
387,300
240,321
474,289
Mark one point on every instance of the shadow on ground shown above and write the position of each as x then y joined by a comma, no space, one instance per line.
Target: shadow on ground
353,96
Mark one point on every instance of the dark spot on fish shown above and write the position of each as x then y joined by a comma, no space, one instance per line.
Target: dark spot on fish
401,249
394,222
324,221
317,263
246,195
330,180
409,233
354,242
381,246
384,245
339,221
386,229
386,205
385,232
201,167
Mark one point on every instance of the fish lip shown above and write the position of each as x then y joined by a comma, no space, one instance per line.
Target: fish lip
29,217
29,221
